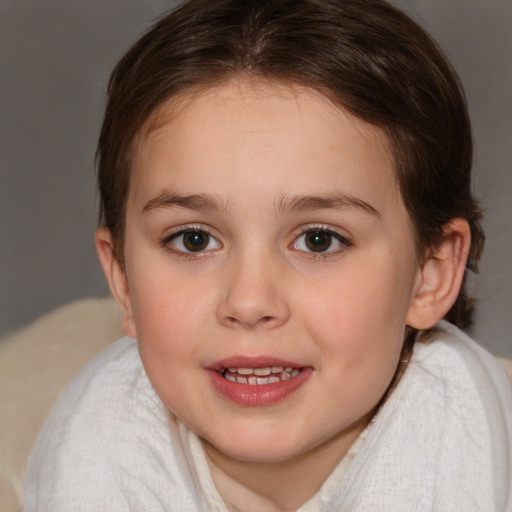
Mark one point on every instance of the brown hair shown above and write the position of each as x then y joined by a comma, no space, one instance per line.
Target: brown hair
365,55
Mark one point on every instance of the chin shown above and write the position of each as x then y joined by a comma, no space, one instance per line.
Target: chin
260,447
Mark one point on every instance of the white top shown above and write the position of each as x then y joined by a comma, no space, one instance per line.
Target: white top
442,442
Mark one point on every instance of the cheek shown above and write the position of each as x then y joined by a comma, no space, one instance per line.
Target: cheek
359,318
169,321
168,311
360,349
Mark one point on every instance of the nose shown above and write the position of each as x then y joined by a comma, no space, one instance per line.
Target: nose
253,295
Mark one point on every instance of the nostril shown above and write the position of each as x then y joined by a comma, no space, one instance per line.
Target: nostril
250,322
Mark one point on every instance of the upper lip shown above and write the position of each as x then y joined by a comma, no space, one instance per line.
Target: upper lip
252,362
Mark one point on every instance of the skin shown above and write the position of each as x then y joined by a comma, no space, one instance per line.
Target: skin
273,162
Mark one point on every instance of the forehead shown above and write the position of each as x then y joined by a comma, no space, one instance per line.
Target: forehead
242,131
239,96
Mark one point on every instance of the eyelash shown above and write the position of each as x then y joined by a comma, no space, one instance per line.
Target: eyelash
167,242
322,255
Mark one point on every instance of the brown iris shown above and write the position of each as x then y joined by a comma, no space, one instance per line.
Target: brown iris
318,241
195,241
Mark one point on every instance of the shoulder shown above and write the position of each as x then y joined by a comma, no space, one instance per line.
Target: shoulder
104,387
464,377
443,436
467,393
109,443
456,360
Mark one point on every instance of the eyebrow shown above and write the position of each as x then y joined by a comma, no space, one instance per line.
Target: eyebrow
199,202
285,204
332,201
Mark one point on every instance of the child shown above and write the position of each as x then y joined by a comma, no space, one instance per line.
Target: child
286,220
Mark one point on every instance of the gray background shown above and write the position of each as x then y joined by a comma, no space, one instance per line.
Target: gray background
55,58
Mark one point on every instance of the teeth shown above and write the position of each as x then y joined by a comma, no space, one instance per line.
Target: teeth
232,378
260,376
262,372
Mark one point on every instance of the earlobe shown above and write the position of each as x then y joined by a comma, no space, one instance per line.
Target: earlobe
440,277
116,277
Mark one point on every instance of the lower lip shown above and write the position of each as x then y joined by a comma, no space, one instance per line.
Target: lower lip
264,394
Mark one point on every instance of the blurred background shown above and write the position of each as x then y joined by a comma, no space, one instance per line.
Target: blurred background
55,59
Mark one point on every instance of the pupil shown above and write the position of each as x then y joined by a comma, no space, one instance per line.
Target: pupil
195,241
318,241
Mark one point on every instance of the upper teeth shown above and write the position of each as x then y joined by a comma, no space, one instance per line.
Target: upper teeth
258,376
260,371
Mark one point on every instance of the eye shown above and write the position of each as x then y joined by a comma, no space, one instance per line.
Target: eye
192,241
320,241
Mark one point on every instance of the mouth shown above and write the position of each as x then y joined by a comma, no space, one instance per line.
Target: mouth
260,376
257,381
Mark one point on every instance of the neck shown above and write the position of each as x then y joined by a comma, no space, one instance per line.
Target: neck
278,486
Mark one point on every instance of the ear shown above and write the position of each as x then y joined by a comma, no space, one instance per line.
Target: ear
440,277
116,277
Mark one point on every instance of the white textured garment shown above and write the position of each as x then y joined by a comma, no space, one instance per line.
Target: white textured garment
441,443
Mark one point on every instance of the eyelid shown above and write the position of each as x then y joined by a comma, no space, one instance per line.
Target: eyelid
187,228
334,232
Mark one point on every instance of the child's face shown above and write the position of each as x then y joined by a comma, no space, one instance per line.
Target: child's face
265,229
